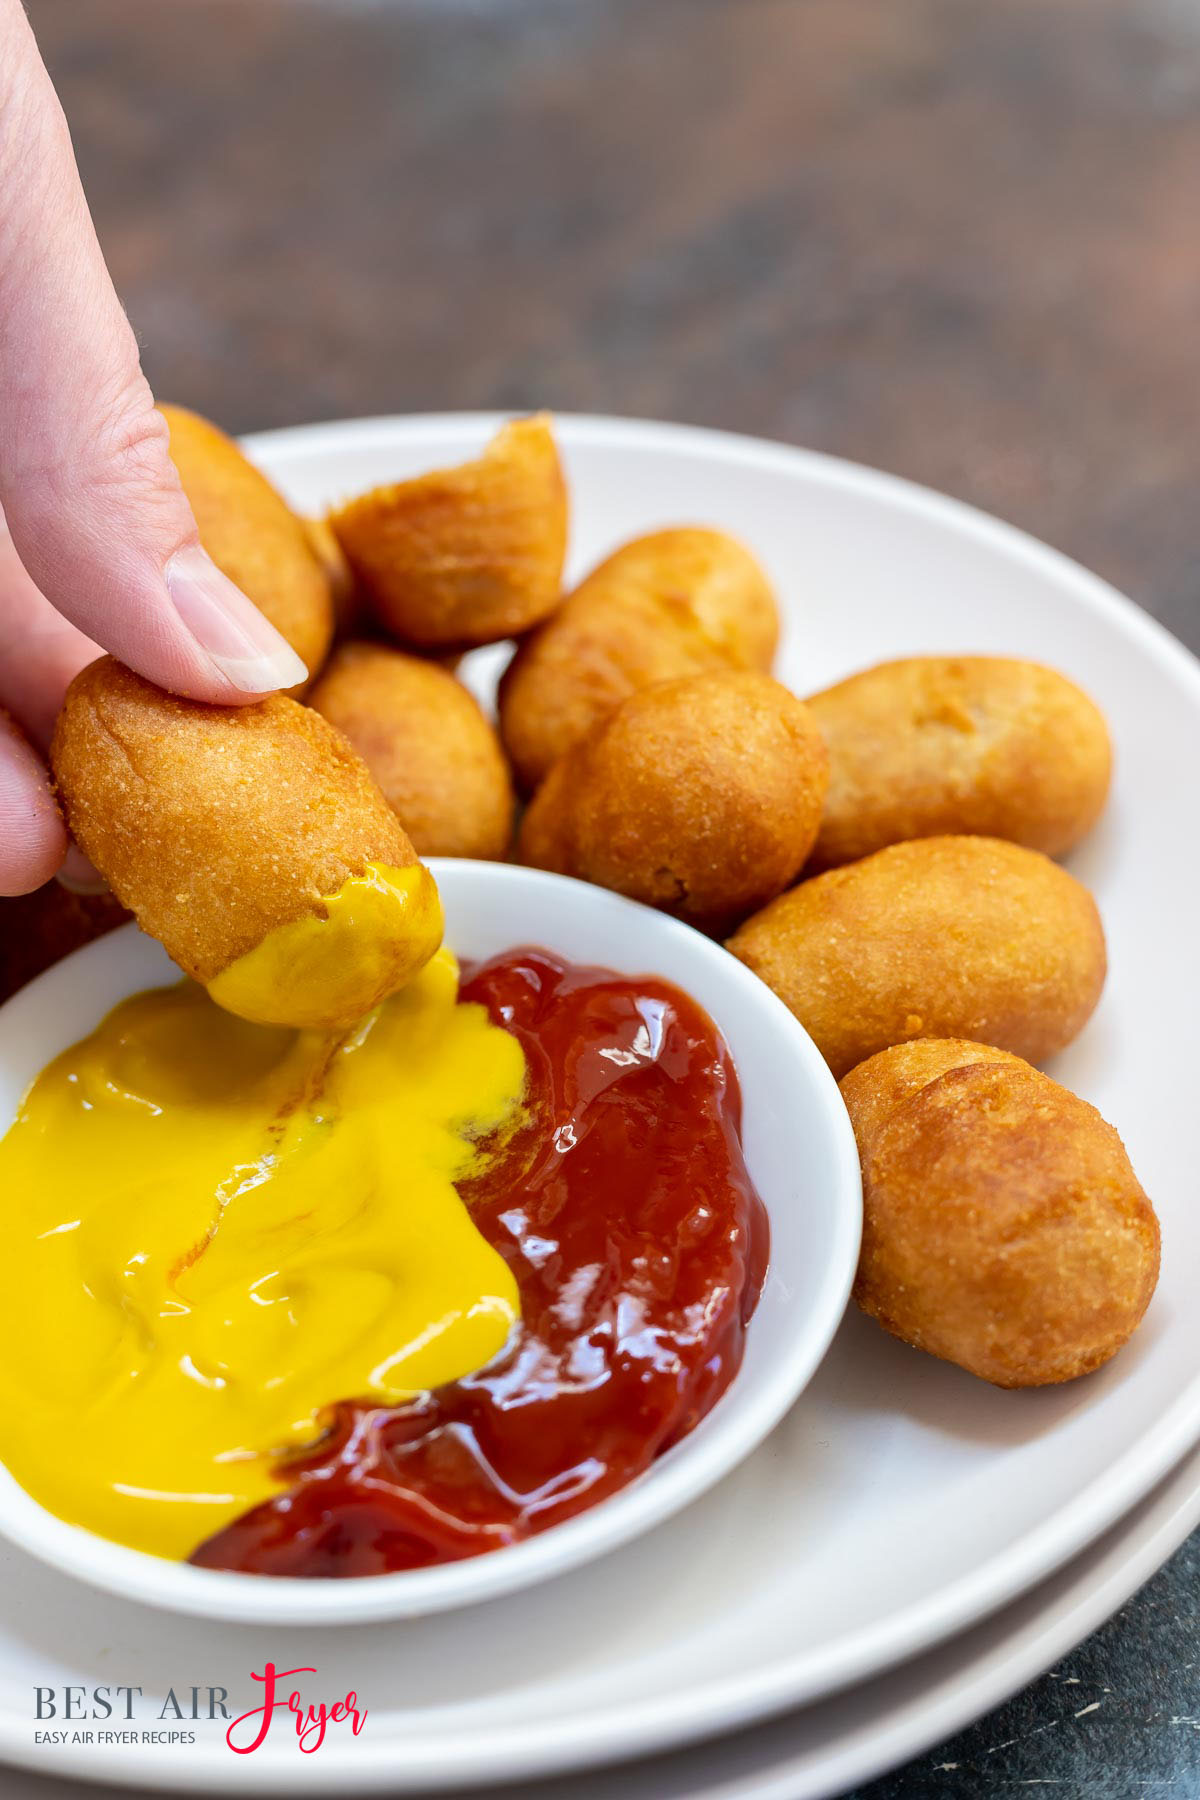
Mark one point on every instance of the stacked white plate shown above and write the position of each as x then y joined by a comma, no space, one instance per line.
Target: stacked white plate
887,1542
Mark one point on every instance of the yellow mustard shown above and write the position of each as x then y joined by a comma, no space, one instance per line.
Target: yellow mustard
212,1230
327,969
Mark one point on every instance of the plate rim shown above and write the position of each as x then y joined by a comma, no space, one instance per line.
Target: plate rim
707,441
992,1674
997,1670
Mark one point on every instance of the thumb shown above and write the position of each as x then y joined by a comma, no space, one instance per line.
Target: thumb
94,504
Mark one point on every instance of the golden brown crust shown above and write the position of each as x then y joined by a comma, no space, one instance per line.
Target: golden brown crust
466,555
1004,1229
428,745
875,1088
253,535
938,937
710,574
344,591
699,796
670,604
39,929
936,744
214,824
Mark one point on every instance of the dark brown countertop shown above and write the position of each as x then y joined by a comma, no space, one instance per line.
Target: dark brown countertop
959,241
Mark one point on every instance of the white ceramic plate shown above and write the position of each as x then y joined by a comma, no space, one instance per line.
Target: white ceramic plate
824,1749
900,1501
799,1150
828,1748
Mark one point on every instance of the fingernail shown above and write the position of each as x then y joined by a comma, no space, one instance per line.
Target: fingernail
228,627
78,876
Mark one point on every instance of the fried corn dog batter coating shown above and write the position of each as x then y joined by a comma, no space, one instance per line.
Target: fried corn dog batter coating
1004,1229
670,604
253,535
699,796
938,937
466,555
214,824
428,745
344,591
938,744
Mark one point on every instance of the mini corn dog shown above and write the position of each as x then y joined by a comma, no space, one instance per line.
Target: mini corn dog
700,796
253,535
251,841
937,937
937,744
670,604
465,555
1003,1228
428,745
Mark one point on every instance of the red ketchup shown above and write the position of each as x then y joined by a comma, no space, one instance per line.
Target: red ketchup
639,1246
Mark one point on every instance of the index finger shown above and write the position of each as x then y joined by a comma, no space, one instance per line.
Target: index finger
33,838
40,651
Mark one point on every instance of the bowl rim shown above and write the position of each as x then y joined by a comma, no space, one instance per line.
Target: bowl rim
724,1438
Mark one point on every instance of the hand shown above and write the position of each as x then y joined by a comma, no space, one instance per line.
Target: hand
103,548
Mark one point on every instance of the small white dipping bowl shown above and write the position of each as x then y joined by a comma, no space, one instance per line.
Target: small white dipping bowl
799,1149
